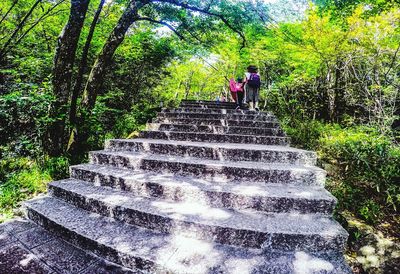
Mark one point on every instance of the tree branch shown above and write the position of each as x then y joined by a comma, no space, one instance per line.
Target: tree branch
207,12
8,11
83,65
18,28
162,23
41,18
393,61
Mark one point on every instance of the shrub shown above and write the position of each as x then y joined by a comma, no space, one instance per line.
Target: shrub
367,160
304,134
27,180
24,120
57,167
363,165
134,120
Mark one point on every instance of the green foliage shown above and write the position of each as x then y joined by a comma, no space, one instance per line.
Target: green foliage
21,178
134,120
56,167
343,8
23,119
367,160
370,211
363,164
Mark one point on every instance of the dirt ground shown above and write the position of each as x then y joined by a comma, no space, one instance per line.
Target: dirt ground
372,250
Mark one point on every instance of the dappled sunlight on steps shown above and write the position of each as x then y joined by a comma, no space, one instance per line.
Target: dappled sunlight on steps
205,189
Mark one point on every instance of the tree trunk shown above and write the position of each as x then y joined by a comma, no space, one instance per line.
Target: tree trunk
62,74
340,104
83,65
80,134
99,70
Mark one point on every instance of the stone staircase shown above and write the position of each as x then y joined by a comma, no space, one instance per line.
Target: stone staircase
205,189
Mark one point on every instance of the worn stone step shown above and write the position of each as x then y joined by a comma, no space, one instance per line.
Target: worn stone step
207,103
198,101
248,229
216,129
245,118
216,122
211,106
229,170
237,195
215,138
214,111
214,151
157,252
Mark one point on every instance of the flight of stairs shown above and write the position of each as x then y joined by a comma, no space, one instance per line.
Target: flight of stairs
206,189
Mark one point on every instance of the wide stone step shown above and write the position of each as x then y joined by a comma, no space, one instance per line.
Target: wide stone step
214,151
210,106
226,226
207,103
216,129
237,195
157,252
246,118
226,170
214,111
215,138
199,101
216,122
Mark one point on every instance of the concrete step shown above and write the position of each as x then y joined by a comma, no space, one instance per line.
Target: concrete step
215,138
196,101
207,103
214,151
211,106
216,122
226,170
248,229
157,252
237,195
214,111
246,118
216,129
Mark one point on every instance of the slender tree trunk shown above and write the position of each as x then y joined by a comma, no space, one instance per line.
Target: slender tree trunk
17,29
62,74
99,70
80,134
83,65
8,11
340,104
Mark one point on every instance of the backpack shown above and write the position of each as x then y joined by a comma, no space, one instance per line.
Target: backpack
254,81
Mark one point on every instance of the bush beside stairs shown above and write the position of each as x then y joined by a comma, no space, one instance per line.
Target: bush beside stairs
205,189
